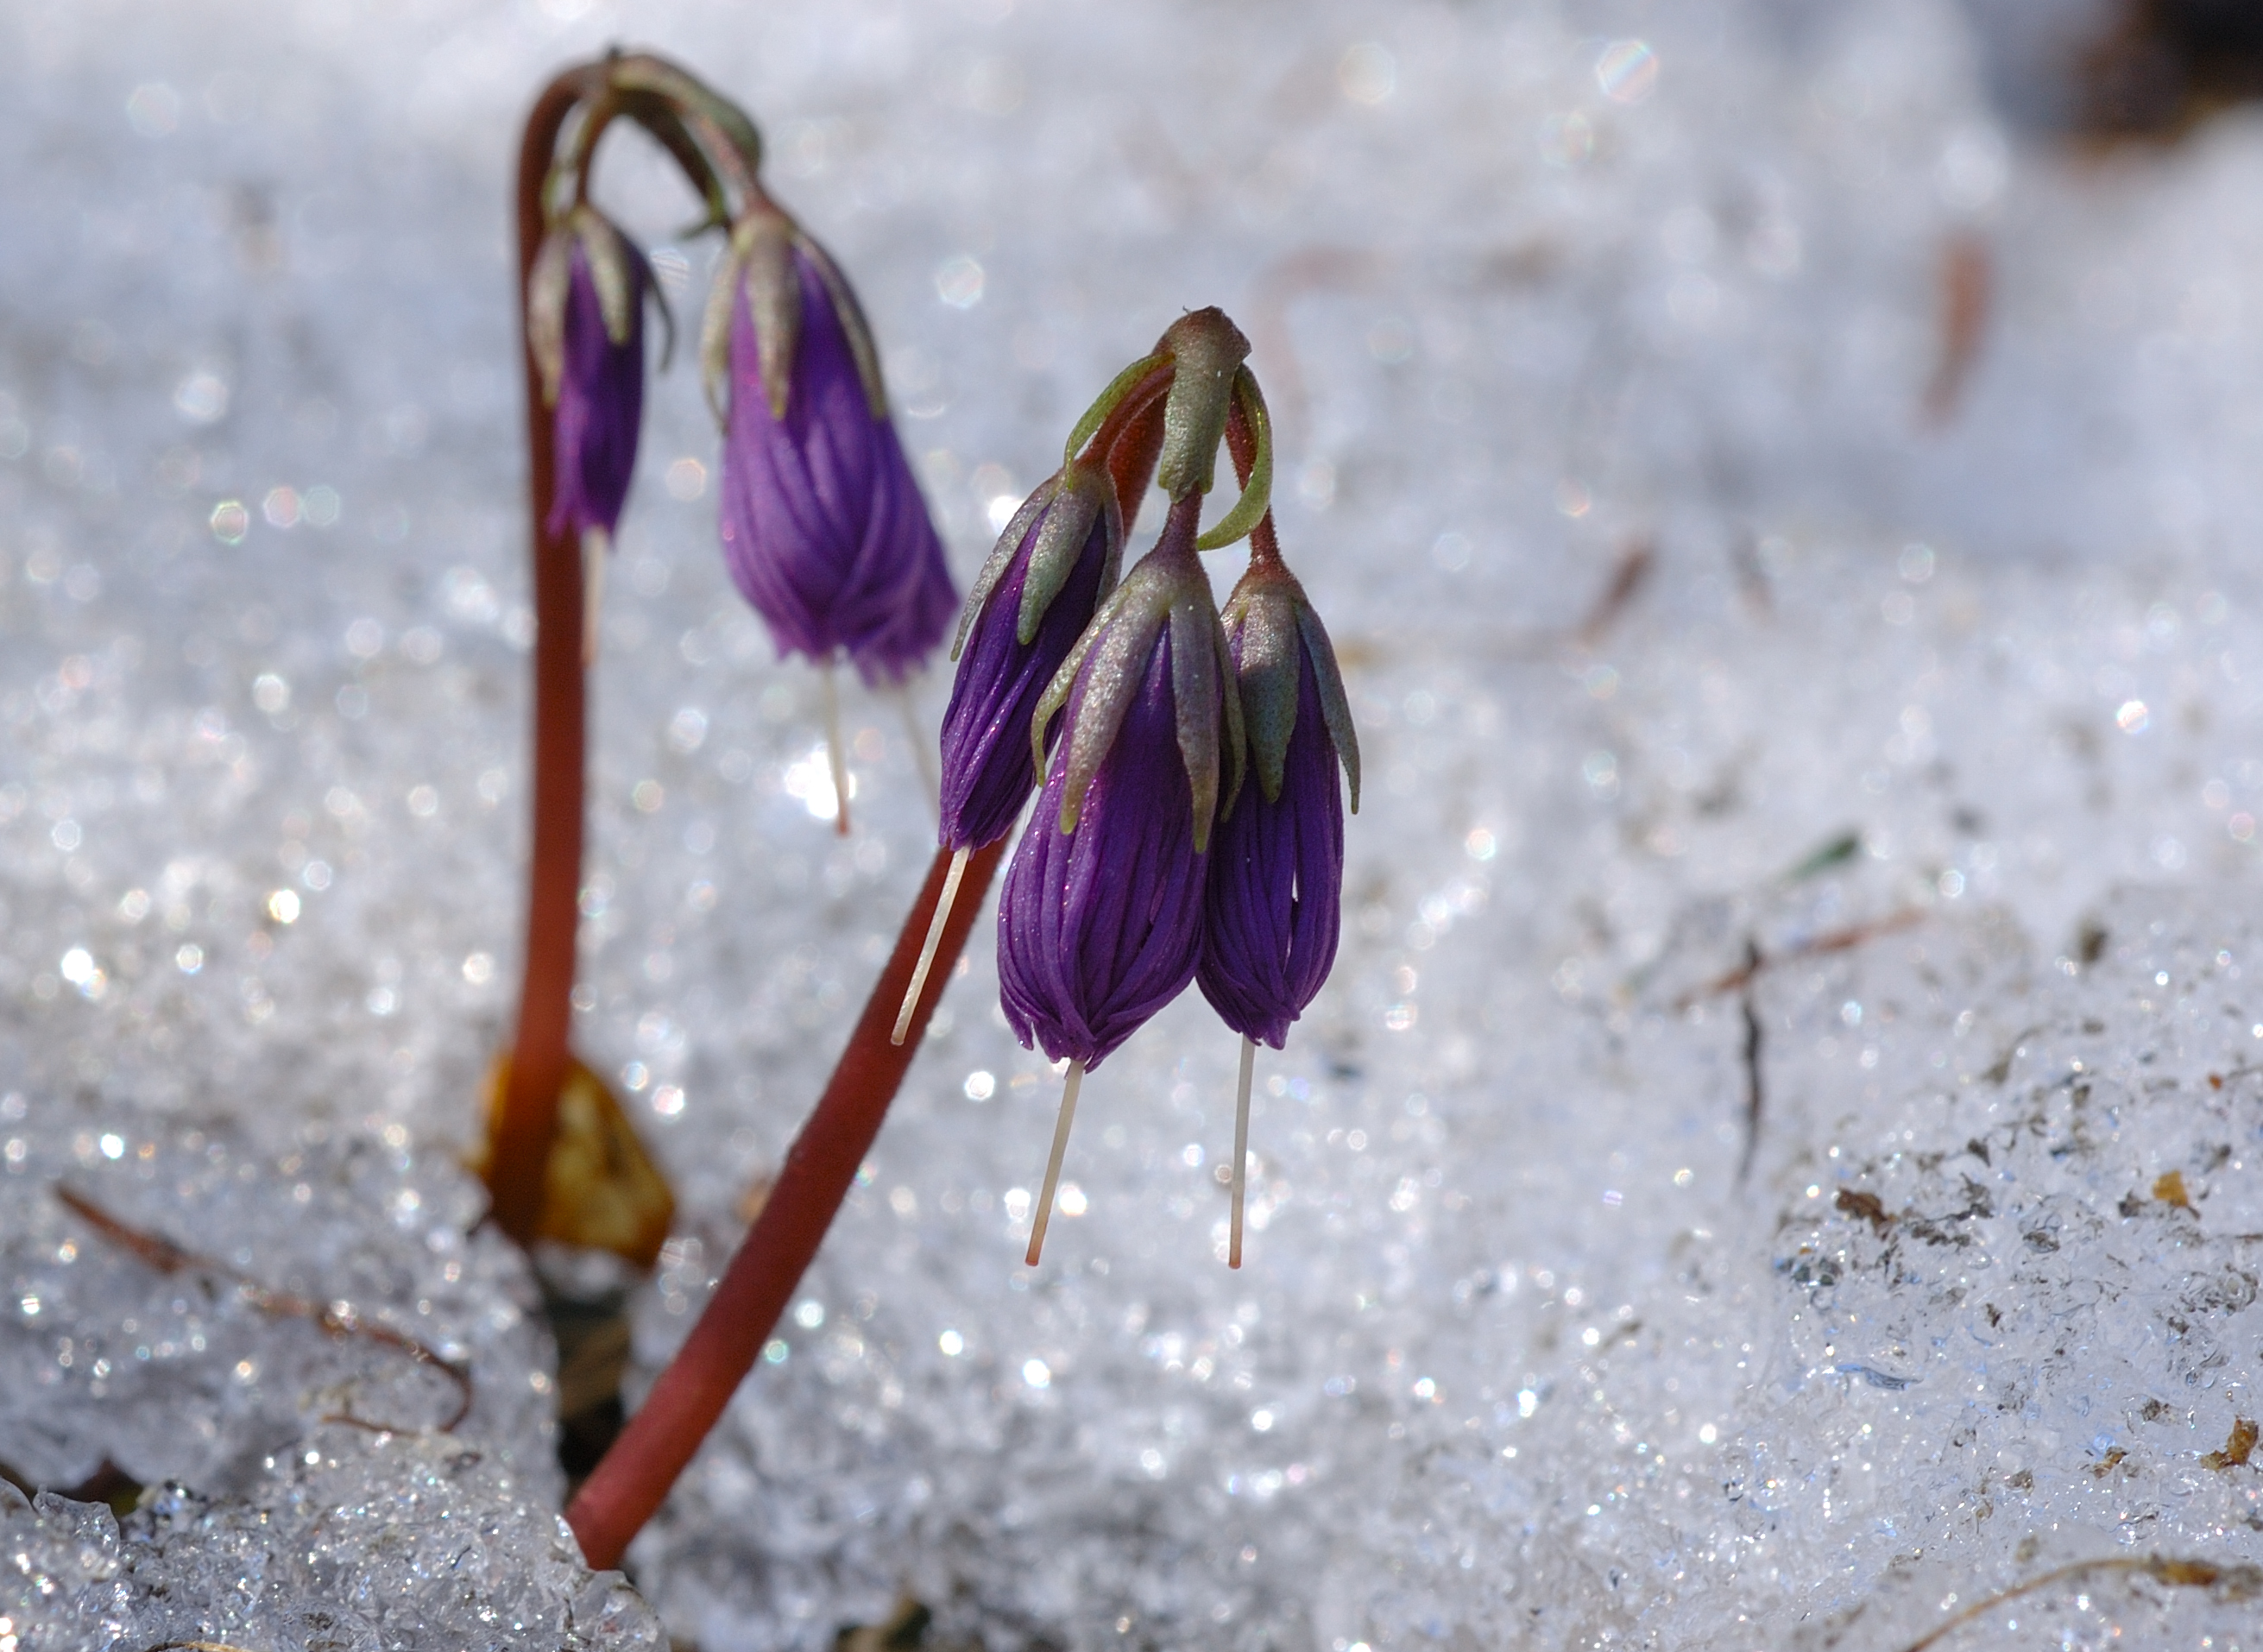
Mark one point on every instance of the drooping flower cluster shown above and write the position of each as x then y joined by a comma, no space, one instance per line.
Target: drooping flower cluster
1148,863
823,527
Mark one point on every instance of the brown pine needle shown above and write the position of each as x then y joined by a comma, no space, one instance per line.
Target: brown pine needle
2239,1583
339,1320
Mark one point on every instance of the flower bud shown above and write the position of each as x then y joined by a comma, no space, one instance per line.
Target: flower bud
585,323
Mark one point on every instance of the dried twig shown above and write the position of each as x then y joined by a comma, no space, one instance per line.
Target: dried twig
1967,281
337,1318
2239,1582
1629,575
1755,1088
1831,941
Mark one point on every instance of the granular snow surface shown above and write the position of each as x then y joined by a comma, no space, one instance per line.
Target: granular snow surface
1775,1162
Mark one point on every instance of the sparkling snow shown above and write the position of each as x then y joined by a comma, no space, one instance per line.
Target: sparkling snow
1942,715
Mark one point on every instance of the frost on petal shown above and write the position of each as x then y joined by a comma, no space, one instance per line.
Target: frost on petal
988,769
1100,928
823,527
600,403
1273,897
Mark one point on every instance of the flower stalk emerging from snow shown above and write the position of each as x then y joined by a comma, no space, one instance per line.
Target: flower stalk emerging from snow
819,504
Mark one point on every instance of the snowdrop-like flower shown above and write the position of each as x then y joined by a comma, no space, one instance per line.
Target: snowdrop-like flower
585,325
1100,921
585,321
1275,880
823,527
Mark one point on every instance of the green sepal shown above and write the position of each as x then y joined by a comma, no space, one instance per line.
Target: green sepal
1087,496
610,269
760,264
1166,588
1001,558
1261,615
548,283
1257,492
1116,642
1335,705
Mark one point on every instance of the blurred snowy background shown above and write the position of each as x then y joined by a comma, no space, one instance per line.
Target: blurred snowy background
1779,494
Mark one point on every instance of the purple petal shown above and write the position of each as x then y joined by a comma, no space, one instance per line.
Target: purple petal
1100,927
1274,895
600,406
988,773
823,527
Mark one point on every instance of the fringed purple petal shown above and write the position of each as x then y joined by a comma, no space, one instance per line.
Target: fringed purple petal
1100,928
823,527
987,772
1274,895
600,406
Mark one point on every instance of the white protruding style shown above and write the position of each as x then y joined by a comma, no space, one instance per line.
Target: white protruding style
1240,1149
1053,1165
596,543
943,903
836,757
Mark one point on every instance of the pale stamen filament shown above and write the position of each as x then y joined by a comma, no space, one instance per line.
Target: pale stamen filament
1053,1165
943,905
595,542
836,757
1240,1149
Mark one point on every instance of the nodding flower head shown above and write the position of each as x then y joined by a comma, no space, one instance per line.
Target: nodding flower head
1275,883
823,527
1100,922
1035,596
585,322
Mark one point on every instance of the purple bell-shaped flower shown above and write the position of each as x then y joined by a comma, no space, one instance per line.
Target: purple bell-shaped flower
585,321
823,527
1276,882
1273,896
1274,893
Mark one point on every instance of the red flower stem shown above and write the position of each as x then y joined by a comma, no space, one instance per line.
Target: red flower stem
635,1475
1241,443
1135,403
1134,447
519,1160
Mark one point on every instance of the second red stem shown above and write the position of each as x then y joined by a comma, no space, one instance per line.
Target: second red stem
519,1155
636,1472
